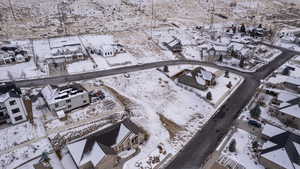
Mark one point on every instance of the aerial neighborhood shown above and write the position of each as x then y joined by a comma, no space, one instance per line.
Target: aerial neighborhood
132,84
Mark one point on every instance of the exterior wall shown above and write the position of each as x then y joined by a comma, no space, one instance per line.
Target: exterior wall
107,162
75,102
286,117
216,165
18,105
132,141
269,164
3,112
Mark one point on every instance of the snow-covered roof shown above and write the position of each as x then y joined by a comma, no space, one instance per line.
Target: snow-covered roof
293,110
200,80
61,114
279,156
4,97
282,149
270,130
81,156
221,48
206,75
286,96
281,78
107,48
76,150
53,94
95,155
123,133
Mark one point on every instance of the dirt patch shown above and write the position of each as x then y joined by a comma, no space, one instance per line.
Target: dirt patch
171,126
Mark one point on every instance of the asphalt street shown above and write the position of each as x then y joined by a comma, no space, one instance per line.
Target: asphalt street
35,82
194,154
206,140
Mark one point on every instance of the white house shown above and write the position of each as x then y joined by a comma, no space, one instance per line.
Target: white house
12,107
65,98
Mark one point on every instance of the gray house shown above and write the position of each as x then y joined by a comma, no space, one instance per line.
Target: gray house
198,78
100,149
281,151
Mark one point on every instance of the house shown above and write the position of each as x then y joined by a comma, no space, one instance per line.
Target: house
89,153
208,77
291,86
174,45
57,66
100,149
68,49
281,150
217,51
66,97
12,107
286,107
198,78
12,54
110,50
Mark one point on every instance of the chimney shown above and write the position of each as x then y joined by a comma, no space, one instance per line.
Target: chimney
28,105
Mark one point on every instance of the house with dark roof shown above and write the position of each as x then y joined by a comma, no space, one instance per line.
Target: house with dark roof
281,150
100,149
174,45
286,107
198,78
12,106
11,54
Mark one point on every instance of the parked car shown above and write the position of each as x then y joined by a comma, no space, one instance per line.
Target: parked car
254,123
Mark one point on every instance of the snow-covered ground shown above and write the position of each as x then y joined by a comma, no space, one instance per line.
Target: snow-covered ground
21,133
103,108
155,95
21,155
244,154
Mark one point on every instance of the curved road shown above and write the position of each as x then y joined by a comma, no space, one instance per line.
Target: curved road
206,140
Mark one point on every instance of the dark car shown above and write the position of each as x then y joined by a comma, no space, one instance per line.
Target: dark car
254,123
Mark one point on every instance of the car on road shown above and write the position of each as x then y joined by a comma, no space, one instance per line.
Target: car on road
254,123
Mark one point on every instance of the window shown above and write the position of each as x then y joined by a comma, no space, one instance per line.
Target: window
69,106
56,105
84,101
16,110
13,102
1,114
68,101
18,118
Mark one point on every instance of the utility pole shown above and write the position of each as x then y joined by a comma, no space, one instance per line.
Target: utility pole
211,10
12,10
152,19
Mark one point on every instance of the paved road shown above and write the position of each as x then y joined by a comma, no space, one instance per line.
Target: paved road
206,140
101,73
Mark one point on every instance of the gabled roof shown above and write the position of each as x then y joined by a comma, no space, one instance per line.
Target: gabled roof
280,146
9,90
290,105
96,146
114,134
52,93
